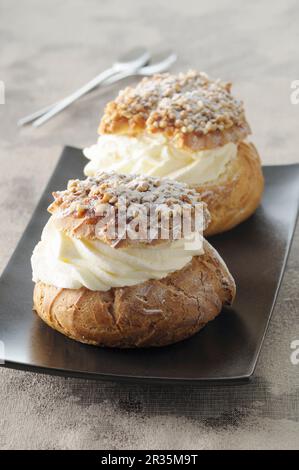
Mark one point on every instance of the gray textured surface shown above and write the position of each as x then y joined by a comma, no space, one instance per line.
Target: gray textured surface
49,48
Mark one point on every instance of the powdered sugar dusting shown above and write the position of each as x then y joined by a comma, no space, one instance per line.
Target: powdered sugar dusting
186,103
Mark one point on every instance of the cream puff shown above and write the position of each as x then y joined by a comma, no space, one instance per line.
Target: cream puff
104,286
189,128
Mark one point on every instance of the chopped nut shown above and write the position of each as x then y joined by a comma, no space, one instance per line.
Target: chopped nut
183,104
106,197
80,210
162,196
142,187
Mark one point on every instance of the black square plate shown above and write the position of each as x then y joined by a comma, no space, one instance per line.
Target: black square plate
226,349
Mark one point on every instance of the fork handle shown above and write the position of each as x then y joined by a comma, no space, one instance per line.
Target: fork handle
36,114
109,81
74,96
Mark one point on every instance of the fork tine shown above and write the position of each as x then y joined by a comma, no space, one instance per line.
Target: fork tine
162,62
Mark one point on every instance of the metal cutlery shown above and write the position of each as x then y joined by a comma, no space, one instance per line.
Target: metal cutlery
125,68
132,60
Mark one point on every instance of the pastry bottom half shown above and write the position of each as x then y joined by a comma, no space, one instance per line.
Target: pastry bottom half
236,194
154,313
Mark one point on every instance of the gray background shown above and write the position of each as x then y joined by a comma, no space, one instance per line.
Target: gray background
50,48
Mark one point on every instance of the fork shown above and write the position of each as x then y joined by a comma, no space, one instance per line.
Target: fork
161,63
133,59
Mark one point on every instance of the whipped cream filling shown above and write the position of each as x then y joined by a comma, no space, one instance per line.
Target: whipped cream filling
72,263
155,155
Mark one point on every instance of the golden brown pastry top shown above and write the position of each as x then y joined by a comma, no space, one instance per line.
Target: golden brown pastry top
79,208
190,108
